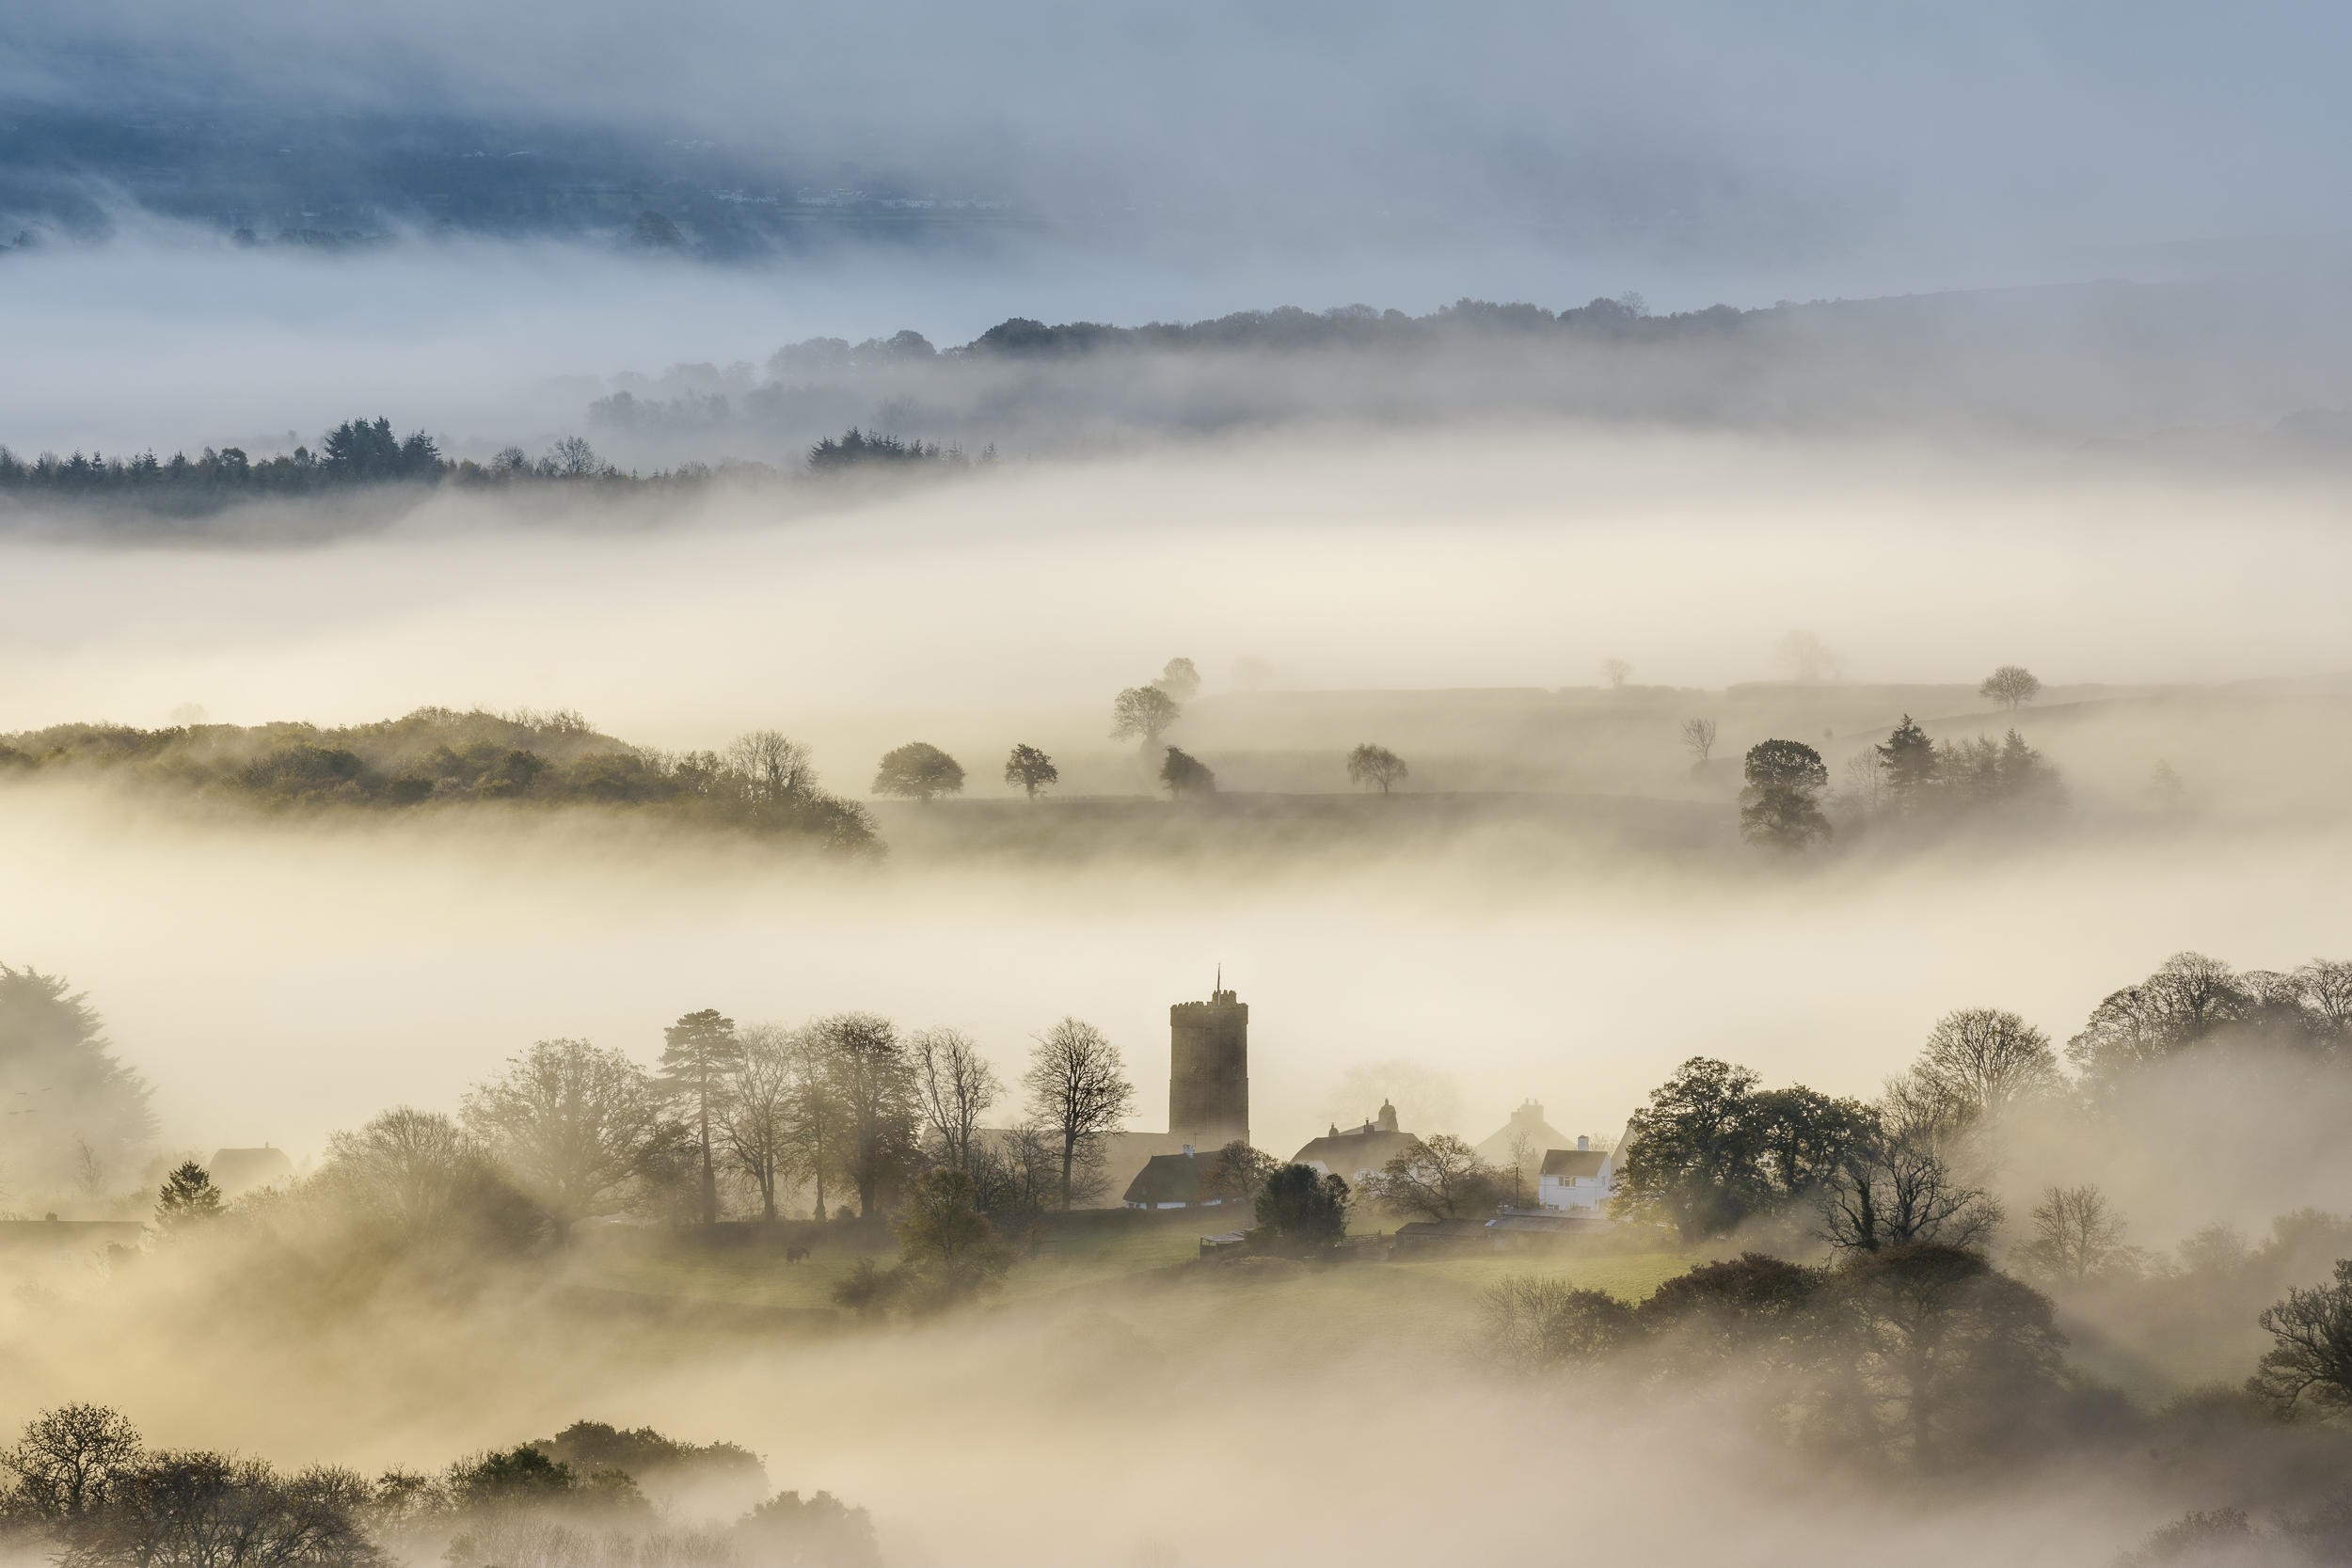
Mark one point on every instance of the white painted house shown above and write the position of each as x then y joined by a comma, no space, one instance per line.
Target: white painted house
1576,1178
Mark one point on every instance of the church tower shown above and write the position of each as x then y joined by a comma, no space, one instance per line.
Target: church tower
1208,1070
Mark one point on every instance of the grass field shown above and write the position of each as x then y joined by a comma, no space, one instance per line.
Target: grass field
1127,1267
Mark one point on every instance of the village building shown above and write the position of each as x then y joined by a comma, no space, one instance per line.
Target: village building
1359,1152
1208,1090
1172,1181
1528,1129
1573,1178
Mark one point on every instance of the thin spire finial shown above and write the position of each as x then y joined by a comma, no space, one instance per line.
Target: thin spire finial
1220,975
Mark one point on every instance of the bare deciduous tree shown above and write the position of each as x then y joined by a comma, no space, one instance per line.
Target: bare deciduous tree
954,1087
1615,672
1895,1188
1439,1178
1698,738
2076,1236
1376,766
71,1458
2311,1355
1078,1091
569,1121
775,766
2012,686
1979,1062
1236,1174
755,1122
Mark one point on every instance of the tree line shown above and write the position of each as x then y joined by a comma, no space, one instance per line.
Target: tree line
82,1485
762,781
361,454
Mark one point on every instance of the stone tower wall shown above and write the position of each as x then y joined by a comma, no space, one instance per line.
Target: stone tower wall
1208,1076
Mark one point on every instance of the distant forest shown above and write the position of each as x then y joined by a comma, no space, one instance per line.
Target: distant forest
761,784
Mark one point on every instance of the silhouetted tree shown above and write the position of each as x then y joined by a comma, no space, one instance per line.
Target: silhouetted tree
871,1082
1894,1187
2012,685
1304,1207
1615,672
187,1198
569,1122
1911,766
2076,1236
1376,766
1184,774
68,1460
756,1112
1438,1177
2187,998
1031,770
1236,1174
698,1051
1979,1062
954,1085
2310,1354
1144,711
1779,807
1698,738
919,770
1078,1091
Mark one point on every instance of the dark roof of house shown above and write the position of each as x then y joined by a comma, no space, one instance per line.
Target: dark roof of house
1573,1162
1357,1149
1167,1179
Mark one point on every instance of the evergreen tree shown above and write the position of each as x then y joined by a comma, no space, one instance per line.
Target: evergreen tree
697,1053
188,1197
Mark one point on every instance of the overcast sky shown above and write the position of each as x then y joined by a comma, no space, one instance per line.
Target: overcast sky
1724,148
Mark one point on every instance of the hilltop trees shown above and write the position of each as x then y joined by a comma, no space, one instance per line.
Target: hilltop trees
569,1122
1921,781
919,770
1376,766
697,1053
2012,686
1144,711
1779,807
1184,774
1979,1062
1078,1092
1030,770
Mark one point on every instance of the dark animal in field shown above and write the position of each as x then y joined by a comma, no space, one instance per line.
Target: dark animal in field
796,1255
